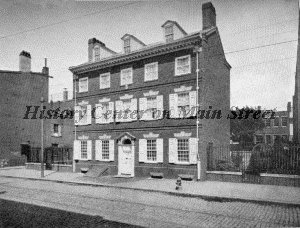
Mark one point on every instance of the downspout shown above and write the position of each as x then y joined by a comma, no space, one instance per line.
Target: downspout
197,50
75,133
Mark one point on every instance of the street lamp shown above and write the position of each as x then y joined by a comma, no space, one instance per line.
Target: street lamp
42,138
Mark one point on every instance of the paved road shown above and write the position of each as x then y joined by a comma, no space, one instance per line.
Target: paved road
147,209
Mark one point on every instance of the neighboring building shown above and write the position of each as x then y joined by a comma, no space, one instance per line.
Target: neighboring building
59,129
20,89
296,97
145,81
280,128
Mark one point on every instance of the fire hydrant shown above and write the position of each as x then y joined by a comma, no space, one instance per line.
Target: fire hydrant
178,184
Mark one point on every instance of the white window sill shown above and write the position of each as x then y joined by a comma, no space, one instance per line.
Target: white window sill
182,74
152,162
183,163
151,80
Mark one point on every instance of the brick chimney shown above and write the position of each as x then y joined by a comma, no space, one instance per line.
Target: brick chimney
65,94
25,61
208,15
92,43
45,69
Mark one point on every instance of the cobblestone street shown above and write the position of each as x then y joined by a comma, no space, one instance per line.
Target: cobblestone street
148,209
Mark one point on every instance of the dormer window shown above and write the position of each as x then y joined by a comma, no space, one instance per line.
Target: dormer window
97,53
169,33
127,45
172,31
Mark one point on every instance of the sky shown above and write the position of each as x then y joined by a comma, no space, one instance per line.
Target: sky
259,38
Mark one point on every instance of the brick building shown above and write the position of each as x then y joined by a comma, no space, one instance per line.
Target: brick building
149,88
278,129
20,89
296,97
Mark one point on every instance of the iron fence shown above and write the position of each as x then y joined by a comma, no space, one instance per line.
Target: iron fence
278,159
52,155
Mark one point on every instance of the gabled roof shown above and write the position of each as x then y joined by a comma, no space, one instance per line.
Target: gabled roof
177,25
133,37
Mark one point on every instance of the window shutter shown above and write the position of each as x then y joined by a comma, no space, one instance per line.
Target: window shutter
142,150
89,149
76,150
98,113
193,150
119,109
76,115
173,157
133,108
193,103
59,130
160,106
52,129
111,150
98,150
173,99
111,112
143,108
160,150
89,114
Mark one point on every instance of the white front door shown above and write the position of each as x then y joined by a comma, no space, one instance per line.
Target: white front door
126,160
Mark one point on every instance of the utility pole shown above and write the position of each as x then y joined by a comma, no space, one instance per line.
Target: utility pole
42,138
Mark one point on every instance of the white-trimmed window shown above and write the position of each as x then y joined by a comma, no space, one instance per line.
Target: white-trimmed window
151,71
82,149
104,81
151,108
169,33
284,121
183,65
183,105
104,112
127,45
268,122
83,115
56,130
276,122
96,53
83,85
151,150
126,110
183,150
104,150
126,76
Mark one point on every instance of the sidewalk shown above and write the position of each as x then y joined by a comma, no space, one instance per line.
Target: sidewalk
210,190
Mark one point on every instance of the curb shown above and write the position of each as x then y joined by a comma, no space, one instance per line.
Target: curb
221,199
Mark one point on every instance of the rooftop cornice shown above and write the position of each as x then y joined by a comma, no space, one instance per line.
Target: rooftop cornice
147,51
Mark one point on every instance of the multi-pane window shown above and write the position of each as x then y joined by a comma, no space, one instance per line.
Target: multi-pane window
97,53
127,45
169,33
276,122
83,85
83,149
126,76
268,122
105,149
151,150
284,121
183,150
126,108
277,138
183,104
83,114
151,71
55,128
268,139
183,65
152,106
105,111
105,81
259,139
